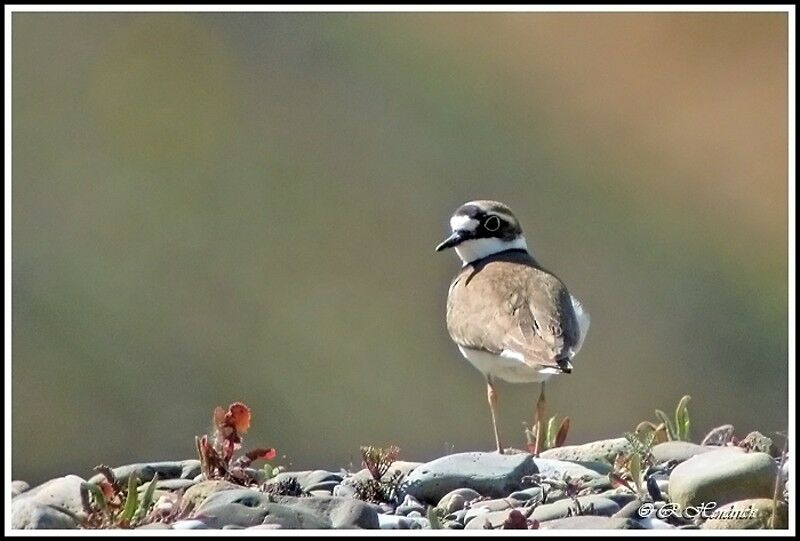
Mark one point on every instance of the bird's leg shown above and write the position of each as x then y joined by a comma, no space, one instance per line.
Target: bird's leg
539,422
492,396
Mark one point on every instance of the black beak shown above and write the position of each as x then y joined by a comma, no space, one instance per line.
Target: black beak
453,240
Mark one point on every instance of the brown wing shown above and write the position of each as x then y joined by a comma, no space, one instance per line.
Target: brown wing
512,304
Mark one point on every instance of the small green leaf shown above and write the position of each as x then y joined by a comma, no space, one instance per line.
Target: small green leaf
682,417
131,500
667,423
147,500
97,494
550,437
539,440
682,404
635,467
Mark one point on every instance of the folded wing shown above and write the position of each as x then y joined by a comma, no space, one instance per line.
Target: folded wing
515,310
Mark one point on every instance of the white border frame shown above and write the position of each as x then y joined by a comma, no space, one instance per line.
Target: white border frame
10,9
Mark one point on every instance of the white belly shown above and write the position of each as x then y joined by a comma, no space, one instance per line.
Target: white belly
504,368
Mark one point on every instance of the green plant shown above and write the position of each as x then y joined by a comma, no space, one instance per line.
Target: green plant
378,461
630,470
271,471
659,431
543,436
108,506
677,430
641,445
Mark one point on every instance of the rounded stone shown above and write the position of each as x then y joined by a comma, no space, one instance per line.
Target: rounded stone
490,474
27,514
18,487
679,451
247,507
402,468
168,484
176,469
590,522
486,507
455,500
344,490
197,493
529,494
561,469
749,514
395,522
61,492
189,524
629,510
488,520
596,451
324,486
591,505
651,523
307,478
722,476
410,505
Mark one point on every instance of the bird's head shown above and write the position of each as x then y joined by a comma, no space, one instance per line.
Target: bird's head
482,228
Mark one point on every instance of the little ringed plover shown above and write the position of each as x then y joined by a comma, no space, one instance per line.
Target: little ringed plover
510,318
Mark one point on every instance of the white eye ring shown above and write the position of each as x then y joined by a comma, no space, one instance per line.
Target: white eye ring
492,223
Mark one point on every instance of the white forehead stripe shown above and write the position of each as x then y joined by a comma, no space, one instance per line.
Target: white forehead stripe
507,217
463,223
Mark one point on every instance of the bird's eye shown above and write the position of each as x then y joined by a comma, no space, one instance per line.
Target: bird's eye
492,223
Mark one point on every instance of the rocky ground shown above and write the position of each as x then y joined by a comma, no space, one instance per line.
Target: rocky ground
573,487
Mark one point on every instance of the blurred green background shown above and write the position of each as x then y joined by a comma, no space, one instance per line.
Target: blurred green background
243,206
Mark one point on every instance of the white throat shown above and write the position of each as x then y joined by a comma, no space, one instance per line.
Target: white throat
472,250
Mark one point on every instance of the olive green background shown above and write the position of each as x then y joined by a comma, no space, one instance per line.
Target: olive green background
244,206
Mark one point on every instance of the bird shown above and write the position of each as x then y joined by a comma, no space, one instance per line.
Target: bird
510,318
